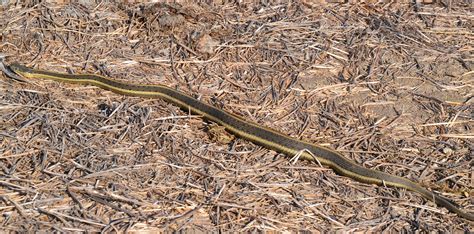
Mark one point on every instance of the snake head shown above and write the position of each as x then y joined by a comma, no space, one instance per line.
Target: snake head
9,72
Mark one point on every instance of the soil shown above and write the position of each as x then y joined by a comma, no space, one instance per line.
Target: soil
387,83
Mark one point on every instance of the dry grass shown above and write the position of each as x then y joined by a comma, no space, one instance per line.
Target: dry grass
389,85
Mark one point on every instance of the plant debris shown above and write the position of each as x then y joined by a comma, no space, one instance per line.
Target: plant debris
387,83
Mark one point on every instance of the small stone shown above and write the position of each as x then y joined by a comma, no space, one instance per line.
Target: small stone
447,151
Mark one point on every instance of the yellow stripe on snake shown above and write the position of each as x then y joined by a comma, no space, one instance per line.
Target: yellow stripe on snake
253,132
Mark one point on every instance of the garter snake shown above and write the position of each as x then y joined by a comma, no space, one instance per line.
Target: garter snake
263,136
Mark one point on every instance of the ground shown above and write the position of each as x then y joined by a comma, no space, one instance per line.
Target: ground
389,85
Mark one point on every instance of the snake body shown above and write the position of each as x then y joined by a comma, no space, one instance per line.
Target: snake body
253,132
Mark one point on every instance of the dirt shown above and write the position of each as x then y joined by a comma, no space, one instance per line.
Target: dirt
387,84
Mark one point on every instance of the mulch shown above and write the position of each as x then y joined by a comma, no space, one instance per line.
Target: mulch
389,84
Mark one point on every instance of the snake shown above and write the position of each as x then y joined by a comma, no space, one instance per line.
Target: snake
256,133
